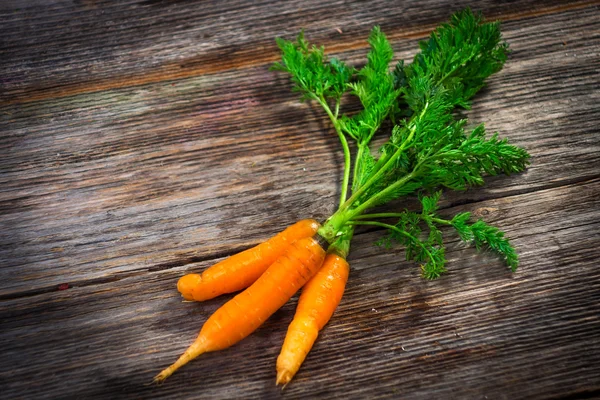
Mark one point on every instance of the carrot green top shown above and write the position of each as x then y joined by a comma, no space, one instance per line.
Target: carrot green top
428,148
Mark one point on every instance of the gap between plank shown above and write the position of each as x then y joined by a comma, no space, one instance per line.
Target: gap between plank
195,68
188,260
580,395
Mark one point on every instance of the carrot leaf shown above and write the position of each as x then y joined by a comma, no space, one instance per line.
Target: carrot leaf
375,90
428,147
483,235
314,76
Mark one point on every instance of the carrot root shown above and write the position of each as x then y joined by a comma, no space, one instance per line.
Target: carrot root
317,303
197,348
242,269
301,335
243,314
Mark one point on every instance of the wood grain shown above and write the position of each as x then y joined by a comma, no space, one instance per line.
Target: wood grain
125,44
141,140
478,331
143,182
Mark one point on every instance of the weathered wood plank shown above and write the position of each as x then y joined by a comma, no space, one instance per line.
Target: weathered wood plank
136,179
78,47
142,140
479,331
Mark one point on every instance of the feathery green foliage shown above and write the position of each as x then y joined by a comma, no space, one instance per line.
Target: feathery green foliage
314,76
428,148
421,235
460,56
484,235
375,90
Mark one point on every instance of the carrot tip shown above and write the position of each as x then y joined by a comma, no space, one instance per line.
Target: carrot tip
284,385
160,378
283,378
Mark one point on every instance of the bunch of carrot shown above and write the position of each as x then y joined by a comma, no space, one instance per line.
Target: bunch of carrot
427,149
271,273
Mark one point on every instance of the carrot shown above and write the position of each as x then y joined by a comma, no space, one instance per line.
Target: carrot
319,299
241,270
243,314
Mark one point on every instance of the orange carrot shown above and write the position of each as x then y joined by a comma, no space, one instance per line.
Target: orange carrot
319,299
241,270
243,314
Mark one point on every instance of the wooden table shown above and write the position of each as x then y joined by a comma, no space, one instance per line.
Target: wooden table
141,140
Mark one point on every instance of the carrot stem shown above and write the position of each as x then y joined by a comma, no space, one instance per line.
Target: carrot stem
397,230
347,160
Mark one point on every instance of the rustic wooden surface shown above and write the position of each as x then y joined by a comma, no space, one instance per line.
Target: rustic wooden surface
141,140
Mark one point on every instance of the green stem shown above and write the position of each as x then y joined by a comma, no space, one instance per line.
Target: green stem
345,147
372,180
330,229
357,161
372,200
341,246
441,221
397,215
387,165
399,183
397,230
379,215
